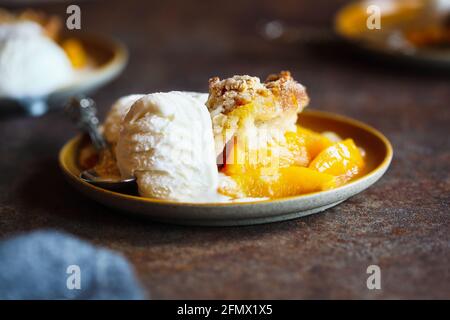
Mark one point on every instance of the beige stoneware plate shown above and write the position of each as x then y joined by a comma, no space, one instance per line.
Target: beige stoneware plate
378,157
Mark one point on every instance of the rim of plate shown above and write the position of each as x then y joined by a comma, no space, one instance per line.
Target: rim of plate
356,123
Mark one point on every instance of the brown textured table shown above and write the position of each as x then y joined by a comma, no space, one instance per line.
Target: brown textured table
401,224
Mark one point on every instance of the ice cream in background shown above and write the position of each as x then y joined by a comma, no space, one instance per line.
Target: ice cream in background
166,141
31,64
19,29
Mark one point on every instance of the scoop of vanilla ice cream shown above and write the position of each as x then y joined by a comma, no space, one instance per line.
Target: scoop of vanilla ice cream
120,108
166,141
115,116
31,64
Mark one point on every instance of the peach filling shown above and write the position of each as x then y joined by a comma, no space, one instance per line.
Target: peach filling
305,162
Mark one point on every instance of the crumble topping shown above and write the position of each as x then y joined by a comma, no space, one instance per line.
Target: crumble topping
228,94
225,95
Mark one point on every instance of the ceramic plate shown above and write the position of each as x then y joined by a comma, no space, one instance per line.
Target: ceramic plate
350,25
379,155
107,58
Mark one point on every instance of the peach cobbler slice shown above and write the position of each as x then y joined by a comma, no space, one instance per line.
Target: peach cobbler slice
256,115
261,148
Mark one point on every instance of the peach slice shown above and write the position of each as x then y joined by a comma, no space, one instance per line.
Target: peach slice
76,53
283,182
342,159
314,142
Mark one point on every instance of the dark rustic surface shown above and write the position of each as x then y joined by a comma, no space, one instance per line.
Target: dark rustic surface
401,223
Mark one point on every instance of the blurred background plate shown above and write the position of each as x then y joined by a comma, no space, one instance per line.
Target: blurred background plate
397,17
107,57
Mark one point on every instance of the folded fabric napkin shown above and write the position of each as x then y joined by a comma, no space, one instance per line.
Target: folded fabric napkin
53,265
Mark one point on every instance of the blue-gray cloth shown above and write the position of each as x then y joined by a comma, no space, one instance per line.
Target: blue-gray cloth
48,265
